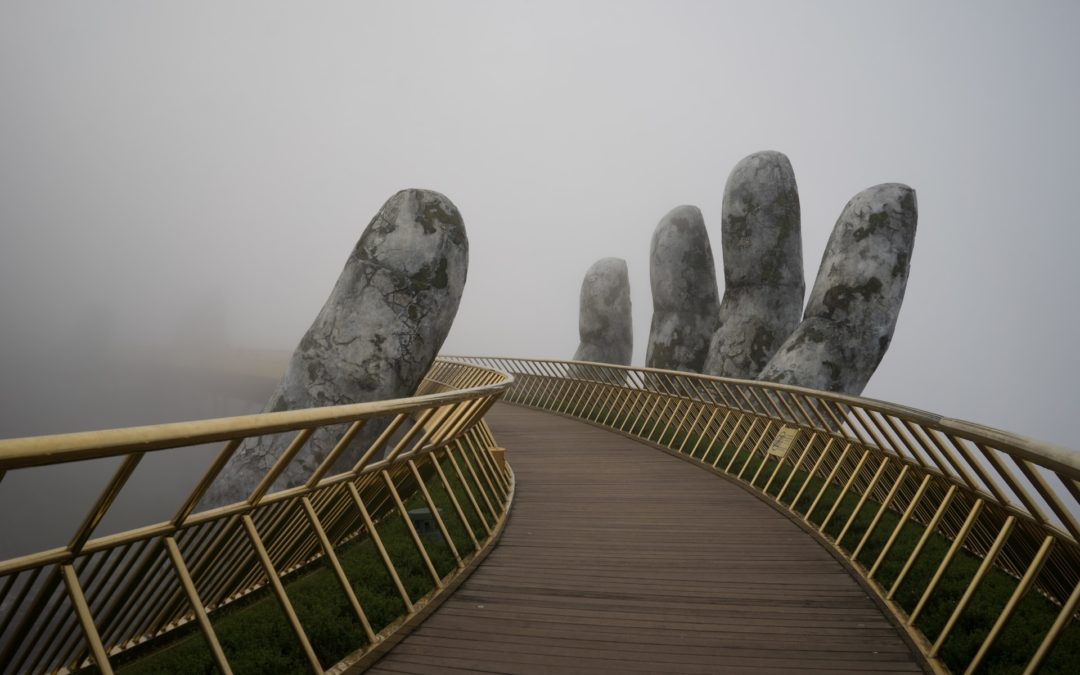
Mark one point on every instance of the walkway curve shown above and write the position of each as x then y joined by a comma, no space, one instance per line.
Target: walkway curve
620,558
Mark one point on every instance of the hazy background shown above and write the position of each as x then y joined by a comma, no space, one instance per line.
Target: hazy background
192,176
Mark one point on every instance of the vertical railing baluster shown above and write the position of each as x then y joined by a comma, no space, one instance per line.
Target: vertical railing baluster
279,591
882,467
692,429
754,450
705,431
15,640
68,626
1014,599
374,534
746,436
855,473
899,526
827,482
984,567
810,475
795,468
197,605
339,572
75,594
1068,608
958,541
412,529
483,495
930,529
882,508
454,500
497,488
435,513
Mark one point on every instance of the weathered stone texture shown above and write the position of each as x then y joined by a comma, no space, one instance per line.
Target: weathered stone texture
852,312
685,299
604,321
763,271
375,337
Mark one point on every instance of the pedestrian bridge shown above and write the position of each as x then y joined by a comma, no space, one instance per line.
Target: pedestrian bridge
545,516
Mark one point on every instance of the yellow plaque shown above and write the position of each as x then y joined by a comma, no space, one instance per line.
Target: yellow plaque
782,442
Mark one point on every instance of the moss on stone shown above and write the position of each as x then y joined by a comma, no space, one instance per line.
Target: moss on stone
839,297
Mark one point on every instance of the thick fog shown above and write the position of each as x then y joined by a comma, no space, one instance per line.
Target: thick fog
188,178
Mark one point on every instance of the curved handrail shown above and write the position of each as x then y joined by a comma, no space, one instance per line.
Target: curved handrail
130,587
18,453
855,473
1023,445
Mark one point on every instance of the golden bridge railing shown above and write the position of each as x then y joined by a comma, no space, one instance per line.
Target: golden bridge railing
78,605
881,485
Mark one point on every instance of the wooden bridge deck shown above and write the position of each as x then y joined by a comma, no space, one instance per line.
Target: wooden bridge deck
620,558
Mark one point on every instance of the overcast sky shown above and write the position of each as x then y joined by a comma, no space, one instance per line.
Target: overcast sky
159,159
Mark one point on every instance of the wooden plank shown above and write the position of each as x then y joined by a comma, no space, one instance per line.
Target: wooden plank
621,558
651,641
605,650
660,639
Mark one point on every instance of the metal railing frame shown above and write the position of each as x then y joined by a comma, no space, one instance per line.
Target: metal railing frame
1010,501
78,605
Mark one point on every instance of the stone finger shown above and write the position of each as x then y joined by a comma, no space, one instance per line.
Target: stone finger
852,312
685,299
604,320
763,270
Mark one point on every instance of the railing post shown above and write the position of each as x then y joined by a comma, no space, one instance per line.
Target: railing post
101,659
412,529
279,591
435,513
346,587
197,606
374,534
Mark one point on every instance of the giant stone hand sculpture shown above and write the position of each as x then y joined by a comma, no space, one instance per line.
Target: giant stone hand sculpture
604,322
685,300
375,337
755,332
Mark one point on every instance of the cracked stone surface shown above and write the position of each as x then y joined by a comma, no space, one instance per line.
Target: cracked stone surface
763,269
685,299
604,321
852,312
375,337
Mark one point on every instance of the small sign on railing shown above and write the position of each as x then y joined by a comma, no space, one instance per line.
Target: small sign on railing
782,442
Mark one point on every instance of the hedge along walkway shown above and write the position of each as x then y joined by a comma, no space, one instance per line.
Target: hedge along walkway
621,558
